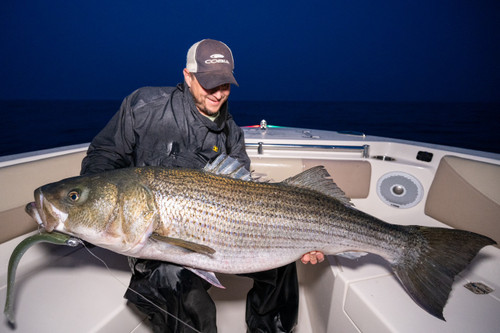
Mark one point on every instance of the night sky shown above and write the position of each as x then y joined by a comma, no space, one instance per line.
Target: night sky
351,50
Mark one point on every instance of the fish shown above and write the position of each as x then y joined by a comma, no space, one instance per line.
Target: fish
220,219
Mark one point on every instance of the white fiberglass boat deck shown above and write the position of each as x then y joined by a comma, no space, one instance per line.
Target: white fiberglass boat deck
60,289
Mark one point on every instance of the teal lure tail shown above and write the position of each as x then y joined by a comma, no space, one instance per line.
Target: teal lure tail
54,238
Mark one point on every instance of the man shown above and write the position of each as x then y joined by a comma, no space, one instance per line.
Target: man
188,126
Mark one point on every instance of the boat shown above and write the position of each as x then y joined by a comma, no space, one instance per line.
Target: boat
77,289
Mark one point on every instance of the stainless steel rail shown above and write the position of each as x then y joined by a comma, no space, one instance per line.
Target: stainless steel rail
363,149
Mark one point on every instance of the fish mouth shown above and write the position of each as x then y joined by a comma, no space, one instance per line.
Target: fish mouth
44,213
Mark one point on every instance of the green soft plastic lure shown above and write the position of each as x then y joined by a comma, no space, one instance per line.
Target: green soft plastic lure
43,237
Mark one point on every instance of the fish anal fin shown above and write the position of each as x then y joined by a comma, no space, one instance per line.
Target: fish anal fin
207,276
191,246
352,254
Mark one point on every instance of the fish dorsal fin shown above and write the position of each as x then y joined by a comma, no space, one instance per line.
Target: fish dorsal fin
318,179
227,166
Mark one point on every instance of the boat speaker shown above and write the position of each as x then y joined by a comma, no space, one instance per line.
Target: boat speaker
399,189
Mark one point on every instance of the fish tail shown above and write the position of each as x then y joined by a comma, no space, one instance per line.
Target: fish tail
432,259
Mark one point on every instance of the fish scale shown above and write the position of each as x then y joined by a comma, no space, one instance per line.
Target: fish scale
280,220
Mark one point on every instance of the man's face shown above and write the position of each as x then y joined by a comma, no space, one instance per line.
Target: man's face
208,102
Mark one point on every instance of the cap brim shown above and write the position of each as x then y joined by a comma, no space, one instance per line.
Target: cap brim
210,80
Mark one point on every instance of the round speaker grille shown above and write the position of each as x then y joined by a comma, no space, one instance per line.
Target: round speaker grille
400,189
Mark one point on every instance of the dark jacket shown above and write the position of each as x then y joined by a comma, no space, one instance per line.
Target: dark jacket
161,126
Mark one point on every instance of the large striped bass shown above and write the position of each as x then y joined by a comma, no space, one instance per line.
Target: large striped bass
219,223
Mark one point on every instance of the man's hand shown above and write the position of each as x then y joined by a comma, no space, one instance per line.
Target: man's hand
313,257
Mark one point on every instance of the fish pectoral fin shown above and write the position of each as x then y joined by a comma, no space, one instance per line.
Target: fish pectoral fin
207,276
198,248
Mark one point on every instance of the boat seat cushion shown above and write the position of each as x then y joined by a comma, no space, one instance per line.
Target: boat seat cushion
15,222
353,177
465,194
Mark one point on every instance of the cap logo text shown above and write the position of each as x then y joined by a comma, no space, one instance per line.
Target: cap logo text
216,61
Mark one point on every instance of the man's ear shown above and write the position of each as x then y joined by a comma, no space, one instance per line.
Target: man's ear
187,77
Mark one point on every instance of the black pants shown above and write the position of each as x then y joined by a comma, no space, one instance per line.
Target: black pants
272,303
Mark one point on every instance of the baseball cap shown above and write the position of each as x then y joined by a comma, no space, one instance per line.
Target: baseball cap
211,62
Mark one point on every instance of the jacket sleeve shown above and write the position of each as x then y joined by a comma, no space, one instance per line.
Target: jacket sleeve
112,148
236,144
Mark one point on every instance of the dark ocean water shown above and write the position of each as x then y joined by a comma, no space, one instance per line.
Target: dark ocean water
34,125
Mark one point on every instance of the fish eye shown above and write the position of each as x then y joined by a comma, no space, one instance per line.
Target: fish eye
74,195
